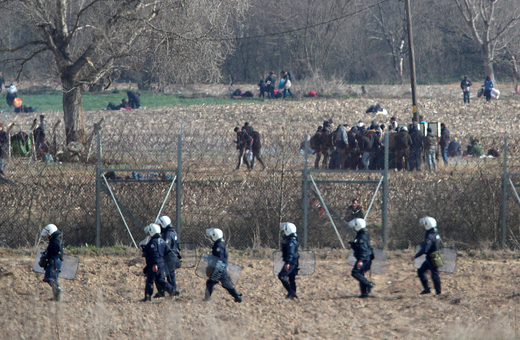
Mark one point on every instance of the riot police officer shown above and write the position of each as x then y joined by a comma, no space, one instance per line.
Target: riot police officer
220,252
154,251
430,245
172,257
52,258
290,259
363,254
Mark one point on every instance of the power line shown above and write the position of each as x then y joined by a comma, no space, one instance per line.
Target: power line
309,26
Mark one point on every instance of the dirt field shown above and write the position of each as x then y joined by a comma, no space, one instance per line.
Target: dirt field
479,301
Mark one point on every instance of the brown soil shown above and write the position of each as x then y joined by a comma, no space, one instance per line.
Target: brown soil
479,301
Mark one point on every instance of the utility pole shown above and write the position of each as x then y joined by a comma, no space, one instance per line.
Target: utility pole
412,59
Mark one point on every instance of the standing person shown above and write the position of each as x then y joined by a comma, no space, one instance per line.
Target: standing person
52,258
172,256
154,252
488,86
431,245
444,142
326,143
270,83
416,147
430,145
231,91
2,81
287,78
315,144
465,86
403,143
244,145
12,93
290,259
517,89
261,85
354,211
342,145
219,251
363,254
3,142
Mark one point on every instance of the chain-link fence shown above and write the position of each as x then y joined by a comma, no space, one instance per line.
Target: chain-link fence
465,196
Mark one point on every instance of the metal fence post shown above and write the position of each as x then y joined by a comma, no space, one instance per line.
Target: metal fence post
98,192
179,183
305,193
504,199
385,194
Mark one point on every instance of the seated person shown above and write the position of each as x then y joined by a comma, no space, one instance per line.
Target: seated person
134,99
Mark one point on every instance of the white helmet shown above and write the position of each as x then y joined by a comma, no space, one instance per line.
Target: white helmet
163,221
49,229
428,223
152,229
214,234
357,224
288,228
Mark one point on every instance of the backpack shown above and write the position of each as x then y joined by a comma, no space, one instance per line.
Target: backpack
21,144
290,75
256,140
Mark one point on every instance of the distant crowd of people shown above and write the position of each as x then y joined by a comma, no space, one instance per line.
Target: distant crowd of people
362,148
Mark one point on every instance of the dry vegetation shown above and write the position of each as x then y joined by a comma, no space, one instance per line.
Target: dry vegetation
479,301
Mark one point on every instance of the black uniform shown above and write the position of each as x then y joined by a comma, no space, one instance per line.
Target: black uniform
362,252
54,255
290,257
219,251
154,252
430,244
171,258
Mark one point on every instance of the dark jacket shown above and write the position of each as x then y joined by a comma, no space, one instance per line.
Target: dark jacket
270,82
290,250
55,247
361,246
354,213
244,140
170,237
326,140
155,250
431,143
3,142
465,84
403,141
219,250
315,142
445,137
430,244
417,139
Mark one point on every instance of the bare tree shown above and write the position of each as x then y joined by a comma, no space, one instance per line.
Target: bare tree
89,38
489,22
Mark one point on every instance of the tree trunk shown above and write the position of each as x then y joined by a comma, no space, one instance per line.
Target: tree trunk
488,60
73,111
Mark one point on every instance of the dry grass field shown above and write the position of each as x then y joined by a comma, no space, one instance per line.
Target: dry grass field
480,300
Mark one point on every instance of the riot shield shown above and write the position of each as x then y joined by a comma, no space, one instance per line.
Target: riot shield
306,262
449,257
69,266
189,255
144,242
378,264
207,264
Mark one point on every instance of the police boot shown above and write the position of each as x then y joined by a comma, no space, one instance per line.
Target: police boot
363,290
369,286
426,289
234,293
207,295
437,286
147,297
56,291
159,294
